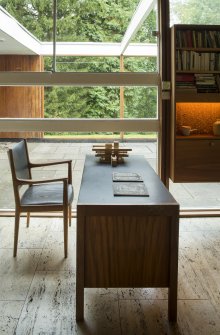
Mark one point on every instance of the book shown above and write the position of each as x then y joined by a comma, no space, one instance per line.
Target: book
126,176
130,189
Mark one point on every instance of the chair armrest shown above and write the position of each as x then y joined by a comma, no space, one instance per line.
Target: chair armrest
68,161
44,181
33,165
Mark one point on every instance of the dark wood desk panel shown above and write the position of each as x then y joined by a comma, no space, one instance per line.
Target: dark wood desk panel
125,241
115,247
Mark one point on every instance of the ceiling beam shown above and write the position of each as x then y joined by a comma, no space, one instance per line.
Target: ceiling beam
79,125
78,79
141,13
98,49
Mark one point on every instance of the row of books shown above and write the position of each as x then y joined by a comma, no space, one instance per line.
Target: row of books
195,61
198,39
198,83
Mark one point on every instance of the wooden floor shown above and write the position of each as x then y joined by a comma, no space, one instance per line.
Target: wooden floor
37,290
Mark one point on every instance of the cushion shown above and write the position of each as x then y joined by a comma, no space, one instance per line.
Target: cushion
46,194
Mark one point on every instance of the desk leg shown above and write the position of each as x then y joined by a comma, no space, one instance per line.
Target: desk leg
79,303
80,265
172,294
172,304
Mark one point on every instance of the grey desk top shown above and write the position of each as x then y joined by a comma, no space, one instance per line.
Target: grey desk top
96,187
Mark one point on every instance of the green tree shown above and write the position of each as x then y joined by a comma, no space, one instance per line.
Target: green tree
34,15
195,12
94,21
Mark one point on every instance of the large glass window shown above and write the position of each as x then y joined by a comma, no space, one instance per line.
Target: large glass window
35,16
100,102
90,35
93,37
194,12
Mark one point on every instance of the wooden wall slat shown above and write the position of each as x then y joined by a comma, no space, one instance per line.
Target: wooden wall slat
21,102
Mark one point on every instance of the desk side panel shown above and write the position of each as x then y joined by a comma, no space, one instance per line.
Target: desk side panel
127,251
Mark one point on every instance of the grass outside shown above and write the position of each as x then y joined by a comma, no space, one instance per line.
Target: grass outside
131,136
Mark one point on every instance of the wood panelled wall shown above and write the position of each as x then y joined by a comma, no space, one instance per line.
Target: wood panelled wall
21,102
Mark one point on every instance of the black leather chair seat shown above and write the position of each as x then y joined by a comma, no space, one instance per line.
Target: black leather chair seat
46,194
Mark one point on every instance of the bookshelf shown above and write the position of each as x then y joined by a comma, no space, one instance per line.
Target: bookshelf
195,103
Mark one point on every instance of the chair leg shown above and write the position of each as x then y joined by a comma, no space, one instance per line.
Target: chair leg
28,219
65,230
17,220
70,215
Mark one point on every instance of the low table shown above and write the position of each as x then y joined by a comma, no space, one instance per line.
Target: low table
125,241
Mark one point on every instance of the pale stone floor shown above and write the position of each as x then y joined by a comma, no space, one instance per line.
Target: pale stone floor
37,289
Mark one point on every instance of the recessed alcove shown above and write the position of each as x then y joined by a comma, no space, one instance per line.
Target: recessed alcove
200,116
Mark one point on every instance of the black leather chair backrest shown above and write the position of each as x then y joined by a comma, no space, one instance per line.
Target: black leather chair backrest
20,158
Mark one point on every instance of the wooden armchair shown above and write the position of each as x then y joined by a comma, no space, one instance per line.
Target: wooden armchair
39,195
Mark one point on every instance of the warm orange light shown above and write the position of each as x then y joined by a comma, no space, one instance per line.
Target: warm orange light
200,116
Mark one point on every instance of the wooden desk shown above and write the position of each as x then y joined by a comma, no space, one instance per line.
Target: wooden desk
125,241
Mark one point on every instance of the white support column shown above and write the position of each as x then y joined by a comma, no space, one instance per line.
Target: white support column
122,104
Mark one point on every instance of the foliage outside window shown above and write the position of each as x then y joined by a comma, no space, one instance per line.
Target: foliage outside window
194,11
90,21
